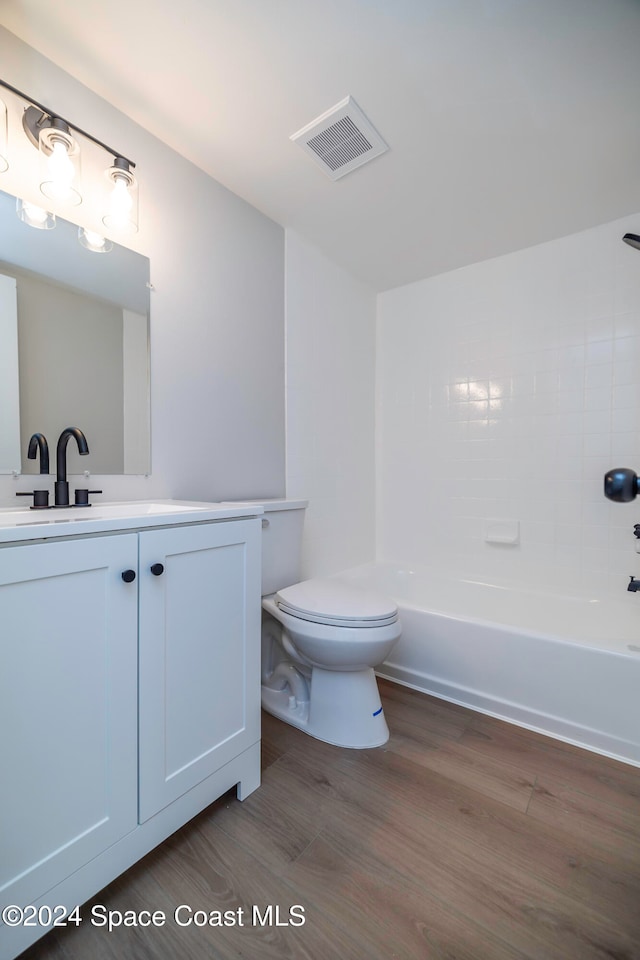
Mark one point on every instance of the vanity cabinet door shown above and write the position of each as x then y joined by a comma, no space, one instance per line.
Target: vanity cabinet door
68,647
199,654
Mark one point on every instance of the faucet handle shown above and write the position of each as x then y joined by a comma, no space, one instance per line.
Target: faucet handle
82,496
40,498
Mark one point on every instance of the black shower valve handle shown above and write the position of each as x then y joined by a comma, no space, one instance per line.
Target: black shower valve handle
636,530
621,484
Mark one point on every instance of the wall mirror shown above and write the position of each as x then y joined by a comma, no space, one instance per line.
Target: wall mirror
74,347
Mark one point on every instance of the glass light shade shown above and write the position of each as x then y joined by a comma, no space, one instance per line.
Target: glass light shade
60,159
4,161
121,214
93,241
35,216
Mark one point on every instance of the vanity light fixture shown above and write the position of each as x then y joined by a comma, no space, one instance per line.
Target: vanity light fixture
58,141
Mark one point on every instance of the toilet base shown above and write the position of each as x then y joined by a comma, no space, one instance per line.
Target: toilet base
344,708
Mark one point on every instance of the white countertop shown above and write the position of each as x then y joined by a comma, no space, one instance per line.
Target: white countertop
19,524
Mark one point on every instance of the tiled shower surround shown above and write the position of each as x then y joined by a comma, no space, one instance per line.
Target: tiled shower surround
505,390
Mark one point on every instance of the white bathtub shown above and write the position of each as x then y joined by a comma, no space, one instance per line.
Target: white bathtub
567,666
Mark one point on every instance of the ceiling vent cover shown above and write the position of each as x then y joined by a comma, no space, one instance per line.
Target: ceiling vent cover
341,139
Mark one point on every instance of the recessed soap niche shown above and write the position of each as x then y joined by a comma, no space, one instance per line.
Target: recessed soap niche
504,532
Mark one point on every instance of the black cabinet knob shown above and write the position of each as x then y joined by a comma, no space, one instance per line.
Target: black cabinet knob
156,569
621,485
128,576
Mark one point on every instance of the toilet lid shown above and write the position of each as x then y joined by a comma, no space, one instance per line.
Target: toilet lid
332,601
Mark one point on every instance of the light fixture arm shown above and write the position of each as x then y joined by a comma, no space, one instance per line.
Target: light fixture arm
37,115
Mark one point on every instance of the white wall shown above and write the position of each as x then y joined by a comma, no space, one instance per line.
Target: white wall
330,335
56,381
217,328
506,390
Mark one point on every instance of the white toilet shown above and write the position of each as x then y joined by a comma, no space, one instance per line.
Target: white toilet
320,641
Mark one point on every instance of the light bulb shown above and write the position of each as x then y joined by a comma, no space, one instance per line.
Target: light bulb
94,241
61,162
122,199
34,216
120,203
61,169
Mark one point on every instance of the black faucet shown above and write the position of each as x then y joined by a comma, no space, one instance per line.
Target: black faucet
61,485
40,497
634,585
39,442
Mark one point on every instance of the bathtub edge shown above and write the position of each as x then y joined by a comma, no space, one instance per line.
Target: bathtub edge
587,738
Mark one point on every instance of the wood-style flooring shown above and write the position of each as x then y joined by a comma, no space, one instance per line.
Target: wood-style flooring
464,837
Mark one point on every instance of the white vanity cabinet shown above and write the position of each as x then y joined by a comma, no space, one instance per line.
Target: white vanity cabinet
199,663
68,708
127,705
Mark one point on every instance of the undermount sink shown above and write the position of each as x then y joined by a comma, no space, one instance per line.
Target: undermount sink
26,524
136,509
96,512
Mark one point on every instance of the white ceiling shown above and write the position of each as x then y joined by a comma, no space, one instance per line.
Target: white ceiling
510,122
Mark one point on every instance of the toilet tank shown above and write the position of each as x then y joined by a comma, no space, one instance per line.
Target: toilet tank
282,524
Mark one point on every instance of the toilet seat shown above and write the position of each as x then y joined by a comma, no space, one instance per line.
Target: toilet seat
334,603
